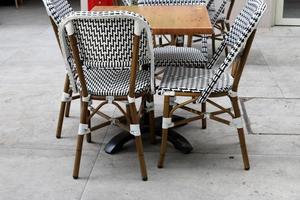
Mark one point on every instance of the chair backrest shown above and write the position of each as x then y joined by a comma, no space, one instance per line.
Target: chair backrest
57,9
170,2
211,6
218,9
243,26
105,40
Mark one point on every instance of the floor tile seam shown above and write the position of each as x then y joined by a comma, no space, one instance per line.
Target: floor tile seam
98,155
251,154
269,98
63,148
8,63
275,134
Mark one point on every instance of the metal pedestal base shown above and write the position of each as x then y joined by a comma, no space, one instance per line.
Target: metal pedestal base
180,143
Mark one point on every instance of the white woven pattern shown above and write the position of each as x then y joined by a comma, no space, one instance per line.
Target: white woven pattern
105,41
178,56
243,26
57,9
184,79
170,2
115,82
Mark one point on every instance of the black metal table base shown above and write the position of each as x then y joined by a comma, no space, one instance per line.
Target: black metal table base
180,143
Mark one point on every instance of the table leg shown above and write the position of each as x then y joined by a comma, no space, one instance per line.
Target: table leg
180,143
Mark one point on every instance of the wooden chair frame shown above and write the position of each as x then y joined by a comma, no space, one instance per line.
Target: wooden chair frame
65,104
236,72
130,116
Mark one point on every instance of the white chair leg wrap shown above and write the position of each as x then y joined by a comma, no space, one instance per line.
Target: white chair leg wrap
167,123
172,101
149,106
169,93
83,129
237,122
110,99
206,115
135,129
130,99
66,97
86,99
232,93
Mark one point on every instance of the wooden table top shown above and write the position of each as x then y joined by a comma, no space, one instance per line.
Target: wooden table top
175,20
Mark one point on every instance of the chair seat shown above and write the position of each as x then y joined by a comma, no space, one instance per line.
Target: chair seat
179,56
102,82
184,79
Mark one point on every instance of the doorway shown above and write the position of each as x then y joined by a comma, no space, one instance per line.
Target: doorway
288,12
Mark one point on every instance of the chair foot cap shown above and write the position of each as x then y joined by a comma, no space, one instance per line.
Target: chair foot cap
145,178
160,166
247,168
58,137
75,177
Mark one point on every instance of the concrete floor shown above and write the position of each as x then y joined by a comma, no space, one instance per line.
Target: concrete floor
35,165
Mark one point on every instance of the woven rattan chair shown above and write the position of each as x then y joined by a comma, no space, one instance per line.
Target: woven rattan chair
202,84
113,53
57,10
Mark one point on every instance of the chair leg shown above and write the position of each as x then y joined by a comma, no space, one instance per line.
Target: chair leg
140,153
203,109
223,32
78,156
68,106
190,40
241,134
83,120
89,135
213,43
62,109
17,3
60,119
138,142
152,123
164,138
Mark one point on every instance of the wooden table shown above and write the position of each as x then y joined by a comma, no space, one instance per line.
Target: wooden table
165,20
173,20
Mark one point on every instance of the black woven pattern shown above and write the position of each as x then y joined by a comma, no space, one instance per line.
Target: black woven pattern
215,14
243,26
179,56
115,82
215,80
185,79
105,41
170,2
57,9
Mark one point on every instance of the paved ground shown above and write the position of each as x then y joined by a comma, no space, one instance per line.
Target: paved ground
35,165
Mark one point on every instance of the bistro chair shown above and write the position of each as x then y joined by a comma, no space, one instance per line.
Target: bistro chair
113,55
57,10
200,85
